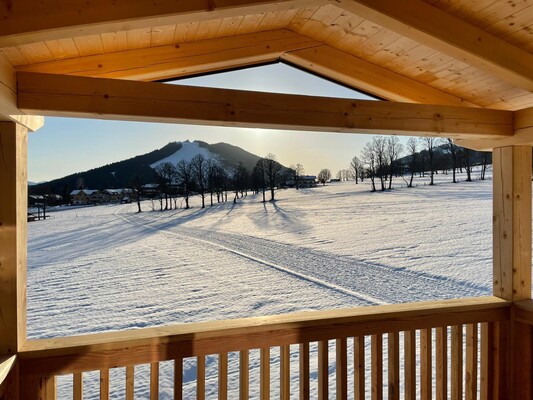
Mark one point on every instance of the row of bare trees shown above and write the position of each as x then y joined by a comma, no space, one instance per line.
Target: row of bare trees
380,160
208,178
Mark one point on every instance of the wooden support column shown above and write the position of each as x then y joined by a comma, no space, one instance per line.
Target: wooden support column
13,238
512,267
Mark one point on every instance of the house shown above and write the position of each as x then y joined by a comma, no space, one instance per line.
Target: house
85,196
307,181
454,68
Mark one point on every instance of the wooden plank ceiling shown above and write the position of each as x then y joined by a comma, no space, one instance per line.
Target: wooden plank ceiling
339,25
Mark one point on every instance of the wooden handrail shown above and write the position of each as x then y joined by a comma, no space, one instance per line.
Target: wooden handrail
57,356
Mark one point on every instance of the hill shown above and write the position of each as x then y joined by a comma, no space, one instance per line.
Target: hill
121,173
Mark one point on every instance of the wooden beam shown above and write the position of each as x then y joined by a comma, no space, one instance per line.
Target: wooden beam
523,134
185,59
8,99
72,96
27,21
448,34
512,222
358,73
13,236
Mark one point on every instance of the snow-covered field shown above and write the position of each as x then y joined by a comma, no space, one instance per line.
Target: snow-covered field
106,268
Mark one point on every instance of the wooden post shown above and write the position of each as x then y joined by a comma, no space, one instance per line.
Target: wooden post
512,264
13,238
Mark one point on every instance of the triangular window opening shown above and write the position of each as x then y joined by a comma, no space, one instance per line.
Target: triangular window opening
274,78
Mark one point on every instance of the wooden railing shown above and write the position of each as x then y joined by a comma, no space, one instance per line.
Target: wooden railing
444,349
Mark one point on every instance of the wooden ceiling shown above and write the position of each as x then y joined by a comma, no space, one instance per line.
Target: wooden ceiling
475,53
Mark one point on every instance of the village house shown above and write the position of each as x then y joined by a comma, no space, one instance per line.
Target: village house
85,196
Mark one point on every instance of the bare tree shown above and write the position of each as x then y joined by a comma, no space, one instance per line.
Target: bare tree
165,175
484,164
394,149
369,159
259,175
273,171
452,148
241,179
430,144
137,184
199,172
298,173
467,156
355,168
324,176
412,149
184,174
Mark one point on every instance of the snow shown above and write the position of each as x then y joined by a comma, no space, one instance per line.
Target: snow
187,152
106,268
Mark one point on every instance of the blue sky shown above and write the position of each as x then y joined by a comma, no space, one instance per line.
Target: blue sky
64,146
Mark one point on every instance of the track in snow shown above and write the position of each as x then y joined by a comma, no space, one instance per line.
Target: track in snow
370,282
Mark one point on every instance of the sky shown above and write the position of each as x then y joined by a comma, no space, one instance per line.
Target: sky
66,145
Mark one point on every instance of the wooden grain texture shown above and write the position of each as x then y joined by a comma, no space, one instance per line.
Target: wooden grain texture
130,383
522,361
180,60
471,368
104,384
92,352
223,376
371,78
30,22
264,372
410,364
200,378
304,371
77,386
154,381
512,222
341,368
486,375
13,236
394,365
441,363
39,388
456,362
359,367
430,26
178,379
376,367
244,375
501,356
74,96
285,373
426,376
323,370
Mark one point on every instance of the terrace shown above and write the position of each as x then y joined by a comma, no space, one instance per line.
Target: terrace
458,68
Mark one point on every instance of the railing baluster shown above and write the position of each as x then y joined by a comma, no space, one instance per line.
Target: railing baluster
410,364
265,374
285,372
359,367
154,381
130,382
200,378
341,349
486,376
178,379
77,386
426,380
457,362
323,370
223,376
304,371
104,384
377,367
471,361
244,375
394,365
441,360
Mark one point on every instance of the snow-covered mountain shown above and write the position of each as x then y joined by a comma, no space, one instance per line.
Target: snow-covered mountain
120,174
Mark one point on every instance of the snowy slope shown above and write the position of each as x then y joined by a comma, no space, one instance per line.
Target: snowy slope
187,152
107,268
